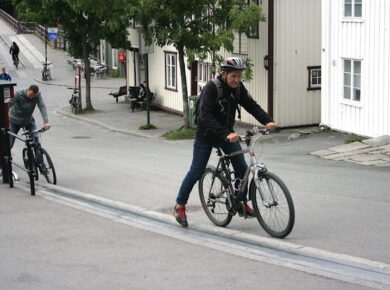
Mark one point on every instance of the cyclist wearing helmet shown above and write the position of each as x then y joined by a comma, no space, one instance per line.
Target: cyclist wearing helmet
215,122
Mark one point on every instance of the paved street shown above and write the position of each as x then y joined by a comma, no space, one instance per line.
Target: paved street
341,206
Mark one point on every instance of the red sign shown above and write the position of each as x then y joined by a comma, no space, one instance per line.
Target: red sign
121,56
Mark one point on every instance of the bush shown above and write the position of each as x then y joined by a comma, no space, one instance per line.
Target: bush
353,138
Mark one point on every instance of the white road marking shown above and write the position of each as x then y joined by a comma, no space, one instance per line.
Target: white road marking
341,267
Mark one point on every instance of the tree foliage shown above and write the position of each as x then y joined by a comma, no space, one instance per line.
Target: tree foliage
196,28
84,22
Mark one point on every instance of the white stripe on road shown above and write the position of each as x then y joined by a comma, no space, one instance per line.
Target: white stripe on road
26,52
277,252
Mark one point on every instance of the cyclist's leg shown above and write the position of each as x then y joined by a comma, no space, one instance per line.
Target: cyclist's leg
31,127
238,162
14,128
201,155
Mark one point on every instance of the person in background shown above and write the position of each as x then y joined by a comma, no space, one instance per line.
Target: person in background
4,76
14,51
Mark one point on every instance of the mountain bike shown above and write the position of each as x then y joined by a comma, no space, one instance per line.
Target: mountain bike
221,193
75,100
46,74
15,60
38,160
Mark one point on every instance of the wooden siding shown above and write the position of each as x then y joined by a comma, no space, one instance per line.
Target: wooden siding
297,46
366,39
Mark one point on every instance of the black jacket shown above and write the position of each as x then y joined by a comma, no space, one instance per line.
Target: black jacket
217,117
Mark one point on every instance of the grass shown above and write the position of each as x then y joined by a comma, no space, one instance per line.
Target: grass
353,138
147,127
325,128
180,134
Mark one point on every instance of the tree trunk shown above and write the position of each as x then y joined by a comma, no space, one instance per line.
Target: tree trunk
87,75
183,85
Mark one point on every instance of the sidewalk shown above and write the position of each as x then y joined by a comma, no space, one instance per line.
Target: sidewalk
118,117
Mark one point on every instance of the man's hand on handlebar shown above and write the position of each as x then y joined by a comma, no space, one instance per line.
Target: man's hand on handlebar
46,126
270,126
233,137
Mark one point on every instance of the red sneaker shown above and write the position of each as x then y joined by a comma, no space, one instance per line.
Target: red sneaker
180,215
249,212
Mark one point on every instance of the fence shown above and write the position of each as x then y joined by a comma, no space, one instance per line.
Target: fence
33,27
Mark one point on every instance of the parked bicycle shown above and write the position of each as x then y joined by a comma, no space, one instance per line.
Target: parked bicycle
221,193
38,160
75,101
46,74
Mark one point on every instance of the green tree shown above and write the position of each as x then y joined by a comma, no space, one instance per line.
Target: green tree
196,28
84,22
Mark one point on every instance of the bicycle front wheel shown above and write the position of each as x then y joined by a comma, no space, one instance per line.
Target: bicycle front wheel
47,167
273,205
213,191
26,162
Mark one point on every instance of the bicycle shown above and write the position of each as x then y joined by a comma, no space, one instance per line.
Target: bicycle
221,193
15,59
75,100
46,74
38,160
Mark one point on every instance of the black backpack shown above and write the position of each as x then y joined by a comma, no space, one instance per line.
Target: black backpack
218,84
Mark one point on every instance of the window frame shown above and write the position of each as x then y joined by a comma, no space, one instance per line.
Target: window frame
170,86
352,81
311,86
353,5
253,30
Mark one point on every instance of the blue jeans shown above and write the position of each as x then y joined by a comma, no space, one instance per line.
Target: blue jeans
14,128
201,155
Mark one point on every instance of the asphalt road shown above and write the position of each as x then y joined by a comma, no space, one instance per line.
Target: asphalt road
340,208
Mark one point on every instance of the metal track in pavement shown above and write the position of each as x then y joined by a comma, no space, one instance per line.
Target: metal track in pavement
277,252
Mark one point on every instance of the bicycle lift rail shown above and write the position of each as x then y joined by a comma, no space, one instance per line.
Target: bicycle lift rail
5,152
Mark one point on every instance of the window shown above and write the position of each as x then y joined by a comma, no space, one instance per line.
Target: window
170,71
205,73
314,77
353,8
352,79
253,30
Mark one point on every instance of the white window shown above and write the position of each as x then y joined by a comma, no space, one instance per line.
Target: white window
205,74
352,79
353,8
314,77
170,71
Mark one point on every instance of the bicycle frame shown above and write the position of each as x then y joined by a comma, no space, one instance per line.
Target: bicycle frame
255,168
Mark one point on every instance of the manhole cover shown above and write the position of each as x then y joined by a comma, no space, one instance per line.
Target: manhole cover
81,137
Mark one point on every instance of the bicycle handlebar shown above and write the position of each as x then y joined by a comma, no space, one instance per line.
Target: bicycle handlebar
35,131
250,134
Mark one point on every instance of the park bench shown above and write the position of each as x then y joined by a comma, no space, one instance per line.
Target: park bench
135,101
121,92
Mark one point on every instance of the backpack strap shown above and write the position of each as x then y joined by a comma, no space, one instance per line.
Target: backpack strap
218,84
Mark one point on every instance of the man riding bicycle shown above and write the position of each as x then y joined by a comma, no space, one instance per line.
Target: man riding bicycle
14,51
21,111
215,122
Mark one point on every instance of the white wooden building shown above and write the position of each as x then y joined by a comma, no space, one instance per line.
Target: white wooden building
356,66
290,41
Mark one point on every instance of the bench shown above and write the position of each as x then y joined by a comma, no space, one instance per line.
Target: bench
121,92
136,101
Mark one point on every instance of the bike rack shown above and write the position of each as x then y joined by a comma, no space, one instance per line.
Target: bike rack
5,148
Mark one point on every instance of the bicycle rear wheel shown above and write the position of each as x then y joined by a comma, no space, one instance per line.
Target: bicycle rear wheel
213,191
47,167
273,205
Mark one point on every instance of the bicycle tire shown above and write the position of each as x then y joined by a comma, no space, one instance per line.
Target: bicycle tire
31,166
26,163
268,211
218,215
47,167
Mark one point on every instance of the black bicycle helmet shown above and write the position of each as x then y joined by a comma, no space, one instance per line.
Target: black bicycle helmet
232,63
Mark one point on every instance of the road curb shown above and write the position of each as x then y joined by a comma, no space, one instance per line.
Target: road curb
100,124
281,245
